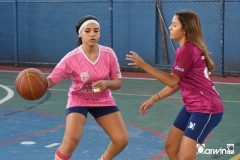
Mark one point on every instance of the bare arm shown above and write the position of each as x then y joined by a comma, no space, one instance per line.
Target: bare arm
170,80
167,91
50,83
114,84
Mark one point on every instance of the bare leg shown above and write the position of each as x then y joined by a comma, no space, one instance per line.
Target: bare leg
74,126
173,143
114,126
188,149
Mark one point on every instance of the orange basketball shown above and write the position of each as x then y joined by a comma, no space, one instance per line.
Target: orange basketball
31,84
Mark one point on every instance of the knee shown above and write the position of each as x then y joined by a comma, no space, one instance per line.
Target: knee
70,143
121,141
186,156
170,149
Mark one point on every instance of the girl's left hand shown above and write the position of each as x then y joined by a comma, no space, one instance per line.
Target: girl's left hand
136,59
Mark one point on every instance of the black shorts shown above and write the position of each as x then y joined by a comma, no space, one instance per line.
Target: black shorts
94,111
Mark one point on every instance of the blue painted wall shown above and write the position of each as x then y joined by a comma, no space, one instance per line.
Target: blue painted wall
46,29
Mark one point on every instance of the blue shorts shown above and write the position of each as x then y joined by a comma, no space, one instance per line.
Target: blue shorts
94,111
196,125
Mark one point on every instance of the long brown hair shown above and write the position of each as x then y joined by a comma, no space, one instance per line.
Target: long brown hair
192,27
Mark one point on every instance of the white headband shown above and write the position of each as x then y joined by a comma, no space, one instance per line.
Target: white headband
86,23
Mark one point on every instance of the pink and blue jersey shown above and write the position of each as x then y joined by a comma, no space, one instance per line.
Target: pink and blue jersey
198,91
83,72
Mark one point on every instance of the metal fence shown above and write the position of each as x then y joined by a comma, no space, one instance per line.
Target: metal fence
41,32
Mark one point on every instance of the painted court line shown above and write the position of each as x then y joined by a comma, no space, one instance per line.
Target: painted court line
28,143
52,145
232,83
127,94
237,157
124,77
31,135
10,94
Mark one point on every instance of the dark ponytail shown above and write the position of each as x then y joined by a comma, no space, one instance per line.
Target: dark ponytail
84,19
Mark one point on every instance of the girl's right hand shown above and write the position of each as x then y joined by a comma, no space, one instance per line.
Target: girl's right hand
145,106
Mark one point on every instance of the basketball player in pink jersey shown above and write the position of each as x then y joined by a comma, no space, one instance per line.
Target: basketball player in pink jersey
93,70
203,109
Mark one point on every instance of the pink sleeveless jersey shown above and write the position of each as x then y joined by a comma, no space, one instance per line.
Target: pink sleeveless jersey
198,91
82,72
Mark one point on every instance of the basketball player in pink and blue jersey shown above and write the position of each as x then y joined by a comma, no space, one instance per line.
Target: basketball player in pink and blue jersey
93,70
203,109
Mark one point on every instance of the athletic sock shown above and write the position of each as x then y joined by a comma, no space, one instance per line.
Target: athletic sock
60,156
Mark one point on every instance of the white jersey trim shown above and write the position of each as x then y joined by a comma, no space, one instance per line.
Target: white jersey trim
93,63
